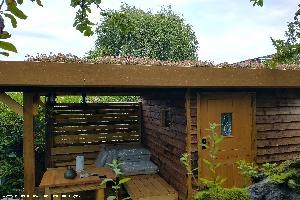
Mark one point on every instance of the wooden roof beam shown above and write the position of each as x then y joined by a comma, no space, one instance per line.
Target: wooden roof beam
29,75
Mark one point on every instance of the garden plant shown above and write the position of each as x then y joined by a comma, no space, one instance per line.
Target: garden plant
211,188
117,182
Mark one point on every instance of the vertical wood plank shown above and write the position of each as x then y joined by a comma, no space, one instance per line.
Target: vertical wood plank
188,141
49,137
140,121
254,133
100,194
47,194
199,136
28,146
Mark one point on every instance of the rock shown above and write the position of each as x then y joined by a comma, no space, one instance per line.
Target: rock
264,190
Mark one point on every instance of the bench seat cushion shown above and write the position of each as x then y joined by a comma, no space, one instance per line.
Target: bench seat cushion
141,167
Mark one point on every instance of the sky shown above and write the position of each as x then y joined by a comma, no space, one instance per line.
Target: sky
227,30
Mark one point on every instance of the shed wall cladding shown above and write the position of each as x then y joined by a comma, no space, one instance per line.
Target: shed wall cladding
278,125
166,143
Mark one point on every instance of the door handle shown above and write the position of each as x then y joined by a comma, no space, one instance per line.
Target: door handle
203,143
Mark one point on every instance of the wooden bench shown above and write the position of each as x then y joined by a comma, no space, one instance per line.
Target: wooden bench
150,187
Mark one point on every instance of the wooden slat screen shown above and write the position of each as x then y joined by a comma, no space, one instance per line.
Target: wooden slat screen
78,129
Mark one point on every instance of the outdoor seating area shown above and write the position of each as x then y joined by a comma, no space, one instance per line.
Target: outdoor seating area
101,133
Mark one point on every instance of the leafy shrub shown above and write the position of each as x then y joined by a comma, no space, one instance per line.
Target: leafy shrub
219,193
11,171
249,170
117,182
286,174
11,146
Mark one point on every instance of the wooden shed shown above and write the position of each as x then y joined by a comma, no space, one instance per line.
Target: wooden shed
258,111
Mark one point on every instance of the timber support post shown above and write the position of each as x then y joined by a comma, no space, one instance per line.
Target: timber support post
188,142
28,146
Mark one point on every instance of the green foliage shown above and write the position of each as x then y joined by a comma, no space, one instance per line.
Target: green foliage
219,193
11,146
134,32
249,170
185,160
287,50
82,21
214,139
213,144
117,182
11,173
11,12
286,174
257,2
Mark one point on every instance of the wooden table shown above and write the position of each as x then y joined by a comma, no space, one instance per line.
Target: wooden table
55,184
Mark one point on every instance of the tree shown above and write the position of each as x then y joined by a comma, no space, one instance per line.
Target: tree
9,10
133,32
287,50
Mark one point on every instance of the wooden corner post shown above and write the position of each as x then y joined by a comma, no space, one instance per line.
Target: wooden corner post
188,142
28,146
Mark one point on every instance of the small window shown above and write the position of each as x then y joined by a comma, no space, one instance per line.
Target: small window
226,124
165,118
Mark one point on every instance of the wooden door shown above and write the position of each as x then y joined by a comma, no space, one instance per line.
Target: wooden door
235,115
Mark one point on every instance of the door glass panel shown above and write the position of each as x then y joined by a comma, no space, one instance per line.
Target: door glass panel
226,124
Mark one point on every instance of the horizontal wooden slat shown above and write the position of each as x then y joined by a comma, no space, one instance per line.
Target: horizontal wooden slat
94,116
95,138
117,131
104,127
98,123
72,163
271,119
95,111
277,134
278,111
68,157
268,102
278,126
278,142
278,149
96,104
277,157
75,149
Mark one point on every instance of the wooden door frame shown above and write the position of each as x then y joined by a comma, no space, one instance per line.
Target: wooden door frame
253,131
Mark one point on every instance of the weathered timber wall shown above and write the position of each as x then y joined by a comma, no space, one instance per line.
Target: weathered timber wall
278,125
166,143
